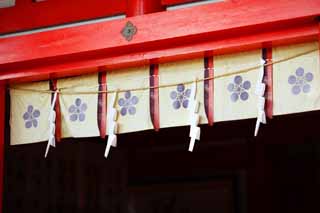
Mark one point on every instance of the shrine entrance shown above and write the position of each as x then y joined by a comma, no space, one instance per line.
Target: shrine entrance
228,172
151,170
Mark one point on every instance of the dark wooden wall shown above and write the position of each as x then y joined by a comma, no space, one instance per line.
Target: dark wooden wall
74,178
276,172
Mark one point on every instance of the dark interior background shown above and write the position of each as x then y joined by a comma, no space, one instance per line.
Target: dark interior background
229,171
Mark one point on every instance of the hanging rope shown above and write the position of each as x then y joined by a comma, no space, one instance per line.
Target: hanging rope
253,68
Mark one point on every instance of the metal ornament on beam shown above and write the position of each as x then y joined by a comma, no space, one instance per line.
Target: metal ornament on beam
129,31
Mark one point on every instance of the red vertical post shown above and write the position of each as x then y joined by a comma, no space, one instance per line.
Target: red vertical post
2,138
53,86
268,70
102,104
136,8
154,96
140,7
208,88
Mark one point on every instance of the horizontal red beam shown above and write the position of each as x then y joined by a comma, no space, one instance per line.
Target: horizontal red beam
178,34
27,14
64,68
174,2
159,27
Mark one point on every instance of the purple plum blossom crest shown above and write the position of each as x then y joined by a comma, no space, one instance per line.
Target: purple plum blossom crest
77,110
180,97
300,81
128,103
239,89
31,117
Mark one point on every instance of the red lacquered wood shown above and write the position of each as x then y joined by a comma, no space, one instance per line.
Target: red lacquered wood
208,88
141,7
102,104
82,49
2,138
269,81
63,66
154,96
174,2
159,30
27,14
58,113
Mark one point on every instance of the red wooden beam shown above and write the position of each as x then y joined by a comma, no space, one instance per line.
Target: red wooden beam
141,7
157,29
63,67
162,36
174,2
27,14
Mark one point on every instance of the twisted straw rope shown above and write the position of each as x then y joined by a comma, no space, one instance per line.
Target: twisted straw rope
269,62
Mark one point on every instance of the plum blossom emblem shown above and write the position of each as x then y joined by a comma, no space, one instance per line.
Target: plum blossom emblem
31,117
180,97
300,81
77,110
239,89
127,104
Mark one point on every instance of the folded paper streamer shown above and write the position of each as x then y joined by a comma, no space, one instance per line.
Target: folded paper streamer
194,117
296,82
29,113
234,95
260,90
79,111
52,125
175,100
112,125
133,106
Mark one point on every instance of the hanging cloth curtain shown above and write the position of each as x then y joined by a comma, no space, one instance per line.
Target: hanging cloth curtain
29,113
79,111
141,106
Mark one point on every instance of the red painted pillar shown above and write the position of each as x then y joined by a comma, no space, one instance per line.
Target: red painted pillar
140,7
2,132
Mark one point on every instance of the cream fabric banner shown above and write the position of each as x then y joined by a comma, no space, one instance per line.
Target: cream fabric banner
234,96
174,101
133,106
296,82
29,113
79,111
